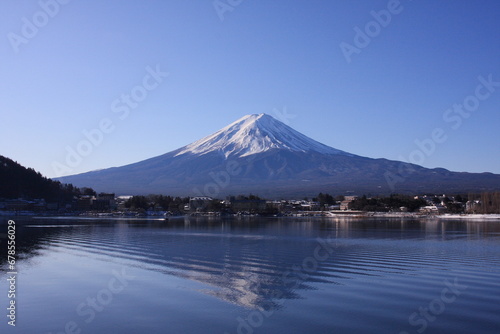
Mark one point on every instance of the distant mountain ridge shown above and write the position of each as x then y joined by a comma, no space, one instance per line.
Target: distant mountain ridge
262,155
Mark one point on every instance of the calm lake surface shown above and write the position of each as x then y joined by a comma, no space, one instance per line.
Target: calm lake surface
255,275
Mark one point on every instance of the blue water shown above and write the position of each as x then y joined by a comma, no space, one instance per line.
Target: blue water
254,275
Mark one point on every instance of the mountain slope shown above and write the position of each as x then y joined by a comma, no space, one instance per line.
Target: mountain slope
17,181
259,154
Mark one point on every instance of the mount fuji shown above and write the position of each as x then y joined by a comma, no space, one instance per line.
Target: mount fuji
254,134
261,155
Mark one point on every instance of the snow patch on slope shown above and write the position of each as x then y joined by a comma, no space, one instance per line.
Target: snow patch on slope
253,134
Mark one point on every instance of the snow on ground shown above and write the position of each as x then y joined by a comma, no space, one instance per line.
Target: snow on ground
253,134
469,216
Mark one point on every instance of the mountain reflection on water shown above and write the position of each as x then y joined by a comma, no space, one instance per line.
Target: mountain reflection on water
254,263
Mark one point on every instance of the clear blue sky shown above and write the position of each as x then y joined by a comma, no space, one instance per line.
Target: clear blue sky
262,57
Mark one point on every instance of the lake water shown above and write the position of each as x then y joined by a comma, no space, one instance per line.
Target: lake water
254,275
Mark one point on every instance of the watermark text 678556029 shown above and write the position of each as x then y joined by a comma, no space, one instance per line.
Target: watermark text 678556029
12,273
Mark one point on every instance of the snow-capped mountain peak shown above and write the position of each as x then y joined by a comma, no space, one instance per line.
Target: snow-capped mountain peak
253,134
301,166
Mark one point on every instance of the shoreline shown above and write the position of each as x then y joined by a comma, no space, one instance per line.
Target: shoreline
304,214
